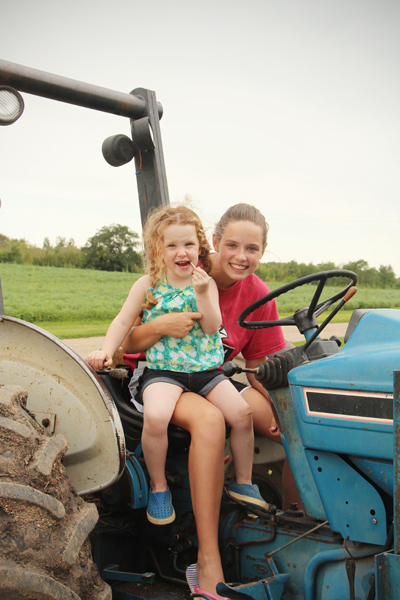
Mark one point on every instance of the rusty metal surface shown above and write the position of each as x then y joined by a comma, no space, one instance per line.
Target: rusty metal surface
396,455
60,383
387,574
295,451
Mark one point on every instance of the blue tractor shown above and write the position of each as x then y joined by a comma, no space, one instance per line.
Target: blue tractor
337,412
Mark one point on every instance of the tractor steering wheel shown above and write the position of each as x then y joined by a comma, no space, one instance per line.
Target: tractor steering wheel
314,310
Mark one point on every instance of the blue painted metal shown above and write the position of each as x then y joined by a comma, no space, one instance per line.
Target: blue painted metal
138,452
367,361
327,559
353,506
396,455
360,437
309,333
380,472
138,486
266,589
316,563
294,449
387,574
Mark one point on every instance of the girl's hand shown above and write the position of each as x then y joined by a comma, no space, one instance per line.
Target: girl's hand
99,359
200,280
273,429
177,324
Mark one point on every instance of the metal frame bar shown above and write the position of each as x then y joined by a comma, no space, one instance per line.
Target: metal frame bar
150,167
62,89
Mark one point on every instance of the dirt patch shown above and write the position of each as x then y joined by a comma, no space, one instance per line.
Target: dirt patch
44,524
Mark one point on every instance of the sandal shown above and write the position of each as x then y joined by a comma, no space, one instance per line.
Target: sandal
197,592
191,577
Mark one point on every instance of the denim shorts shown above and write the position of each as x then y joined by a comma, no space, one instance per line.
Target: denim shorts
239,385
200,383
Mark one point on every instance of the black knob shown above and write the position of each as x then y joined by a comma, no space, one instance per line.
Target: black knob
230,368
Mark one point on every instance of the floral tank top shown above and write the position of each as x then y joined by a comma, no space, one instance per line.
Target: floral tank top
193,353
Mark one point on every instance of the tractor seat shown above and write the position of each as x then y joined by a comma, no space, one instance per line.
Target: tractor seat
117,382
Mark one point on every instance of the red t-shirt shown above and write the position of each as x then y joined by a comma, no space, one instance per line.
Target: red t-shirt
252,343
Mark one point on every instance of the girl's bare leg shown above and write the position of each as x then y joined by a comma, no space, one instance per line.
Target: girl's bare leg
206,426
263,419
264,424
159,400
237,413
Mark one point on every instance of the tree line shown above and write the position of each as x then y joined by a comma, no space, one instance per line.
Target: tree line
112,248
117,248
384,277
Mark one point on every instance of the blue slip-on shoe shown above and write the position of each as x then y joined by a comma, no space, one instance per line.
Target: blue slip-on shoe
250,494
191,577
159,508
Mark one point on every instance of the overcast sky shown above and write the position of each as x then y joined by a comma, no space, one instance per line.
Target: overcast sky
290,105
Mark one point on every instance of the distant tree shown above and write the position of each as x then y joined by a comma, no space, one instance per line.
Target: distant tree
13,250
113,248
63,254
367,276
12,255
386,277
358,266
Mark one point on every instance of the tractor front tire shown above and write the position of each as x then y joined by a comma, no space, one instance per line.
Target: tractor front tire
45,553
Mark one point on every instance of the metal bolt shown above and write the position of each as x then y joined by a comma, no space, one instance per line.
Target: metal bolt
46,422
375,521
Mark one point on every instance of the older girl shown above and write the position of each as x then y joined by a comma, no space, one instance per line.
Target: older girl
240,240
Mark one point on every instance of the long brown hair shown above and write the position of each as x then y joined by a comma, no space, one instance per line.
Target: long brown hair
242,212
153,236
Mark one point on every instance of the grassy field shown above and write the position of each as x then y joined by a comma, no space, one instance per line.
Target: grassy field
82,303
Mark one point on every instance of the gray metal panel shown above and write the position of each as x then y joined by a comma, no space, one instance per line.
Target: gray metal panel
66,392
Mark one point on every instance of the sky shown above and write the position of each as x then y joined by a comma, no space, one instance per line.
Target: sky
290,105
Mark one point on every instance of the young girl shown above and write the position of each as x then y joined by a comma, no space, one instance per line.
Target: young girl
174,242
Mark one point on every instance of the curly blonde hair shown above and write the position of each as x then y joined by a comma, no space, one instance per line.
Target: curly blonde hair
153,235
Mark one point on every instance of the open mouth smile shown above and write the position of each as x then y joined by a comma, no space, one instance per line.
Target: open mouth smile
238,267
183,263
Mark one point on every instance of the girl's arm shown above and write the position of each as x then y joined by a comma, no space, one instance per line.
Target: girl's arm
121,325
252,364
207,301
176,324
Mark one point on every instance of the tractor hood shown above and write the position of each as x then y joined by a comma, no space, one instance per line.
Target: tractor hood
366,362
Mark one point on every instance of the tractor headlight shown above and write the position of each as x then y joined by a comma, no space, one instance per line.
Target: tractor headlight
11,105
